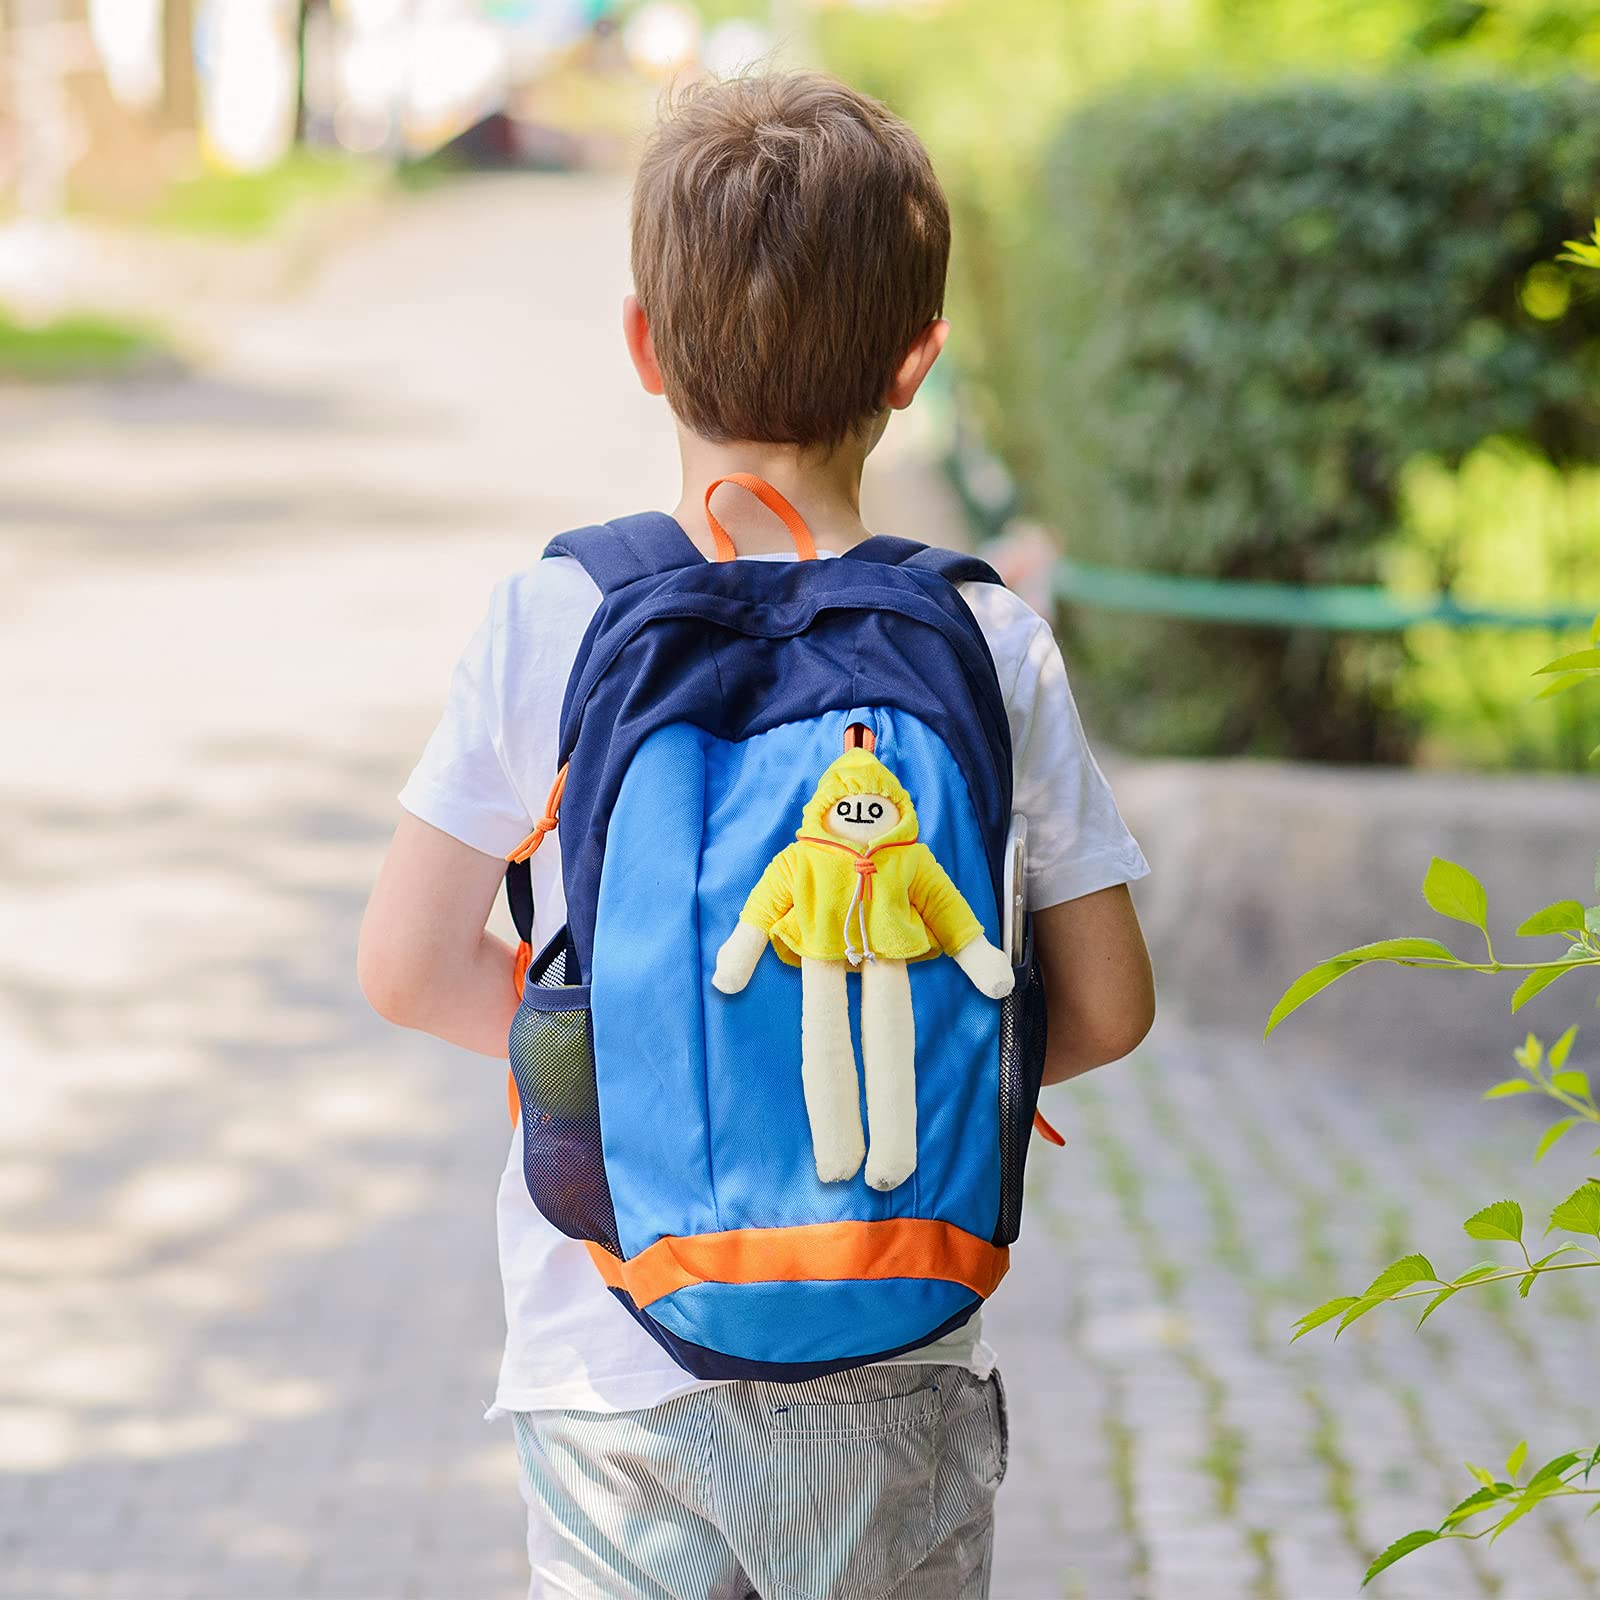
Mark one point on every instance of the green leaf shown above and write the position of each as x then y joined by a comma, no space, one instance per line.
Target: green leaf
1578,661
1502,1219
1562,684
1452,891
1509,1086
1516,1458
1324,1313
1478,1500
1562,1048
1437,1301
1560,1250
1547,1140
1411,949
1401,1274
1525,1283
1538,980
1401,1547
1367,1302
1555,1467
1532,1499
1564,916
1531,1053
1482,1474
1306,985
1580,1211
1482,1270
1572,1081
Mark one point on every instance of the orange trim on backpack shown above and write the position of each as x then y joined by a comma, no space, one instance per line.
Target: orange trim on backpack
832,1252
804,545
519,983
548,822
858,736
1044,1130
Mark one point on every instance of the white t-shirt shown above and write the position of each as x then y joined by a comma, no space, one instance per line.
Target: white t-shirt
483,778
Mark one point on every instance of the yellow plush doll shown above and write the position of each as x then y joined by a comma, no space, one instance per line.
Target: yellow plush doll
858,889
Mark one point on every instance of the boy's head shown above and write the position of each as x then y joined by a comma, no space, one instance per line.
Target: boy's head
789,250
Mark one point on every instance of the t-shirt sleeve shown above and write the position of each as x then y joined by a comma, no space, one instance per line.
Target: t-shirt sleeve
1077,841
463,785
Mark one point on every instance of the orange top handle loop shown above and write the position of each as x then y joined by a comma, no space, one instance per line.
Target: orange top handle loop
804,547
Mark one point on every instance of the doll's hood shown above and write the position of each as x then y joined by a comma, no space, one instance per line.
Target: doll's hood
859,772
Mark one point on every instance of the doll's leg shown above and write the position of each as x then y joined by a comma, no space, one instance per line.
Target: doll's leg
828,1070
888,1056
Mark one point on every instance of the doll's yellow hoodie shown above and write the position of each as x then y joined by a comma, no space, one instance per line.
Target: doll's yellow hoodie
833,900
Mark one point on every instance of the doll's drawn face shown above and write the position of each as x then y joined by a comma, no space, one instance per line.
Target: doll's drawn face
861,818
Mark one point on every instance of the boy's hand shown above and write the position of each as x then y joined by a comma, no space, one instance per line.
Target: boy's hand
987,967
736,960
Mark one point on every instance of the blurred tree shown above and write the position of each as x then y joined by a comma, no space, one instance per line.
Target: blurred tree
179,100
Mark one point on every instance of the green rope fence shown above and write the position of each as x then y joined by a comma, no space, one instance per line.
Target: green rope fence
989,498
1341,608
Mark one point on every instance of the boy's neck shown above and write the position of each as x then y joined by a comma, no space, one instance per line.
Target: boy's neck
824,487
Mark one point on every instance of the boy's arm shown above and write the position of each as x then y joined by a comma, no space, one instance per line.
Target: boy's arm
426,960
1097,980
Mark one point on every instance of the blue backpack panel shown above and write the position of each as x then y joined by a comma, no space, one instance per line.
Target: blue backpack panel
663,1121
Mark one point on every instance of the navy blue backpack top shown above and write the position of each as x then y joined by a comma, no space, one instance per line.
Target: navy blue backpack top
668,1120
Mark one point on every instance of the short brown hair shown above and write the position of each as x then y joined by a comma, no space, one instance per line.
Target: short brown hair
790,241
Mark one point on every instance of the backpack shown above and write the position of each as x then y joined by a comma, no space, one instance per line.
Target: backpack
712,709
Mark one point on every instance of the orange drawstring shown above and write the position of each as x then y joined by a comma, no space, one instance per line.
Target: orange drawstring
1044,1129
546,823
519,982
865,868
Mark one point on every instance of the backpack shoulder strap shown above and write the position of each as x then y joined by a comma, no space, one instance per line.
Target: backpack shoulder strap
954,566
614,554
618,553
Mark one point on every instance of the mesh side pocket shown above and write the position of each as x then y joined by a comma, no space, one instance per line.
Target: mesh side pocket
552,1061
1022,1042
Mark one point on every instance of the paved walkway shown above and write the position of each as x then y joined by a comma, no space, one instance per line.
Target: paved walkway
248,1307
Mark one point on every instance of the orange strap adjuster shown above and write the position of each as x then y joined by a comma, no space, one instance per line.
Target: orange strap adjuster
547,823
804,545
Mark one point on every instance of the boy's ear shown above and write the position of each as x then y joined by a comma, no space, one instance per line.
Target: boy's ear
642,350
917,364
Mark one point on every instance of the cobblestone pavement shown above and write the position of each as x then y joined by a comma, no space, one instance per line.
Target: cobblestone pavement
248,1310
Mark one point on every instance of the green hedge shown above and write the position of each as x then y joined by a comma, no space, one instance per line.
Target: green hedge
1242,313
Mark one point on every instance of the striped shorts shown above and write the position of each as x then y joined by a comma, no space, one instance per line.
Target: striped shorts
876,1484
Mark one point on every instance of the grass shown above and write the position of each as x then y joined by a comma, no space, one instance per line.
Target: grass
247,205
80,346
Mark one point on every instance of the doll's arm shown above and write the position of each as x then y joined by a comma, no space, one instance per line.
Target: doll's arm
772,896
737,959
949,918
987,967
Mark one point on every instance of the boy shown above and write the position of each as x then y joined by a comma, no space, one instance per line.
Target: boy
789,250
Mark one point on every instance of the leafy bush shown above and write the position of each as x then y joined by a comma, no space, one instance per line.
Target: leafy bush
1249,310
1503,528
